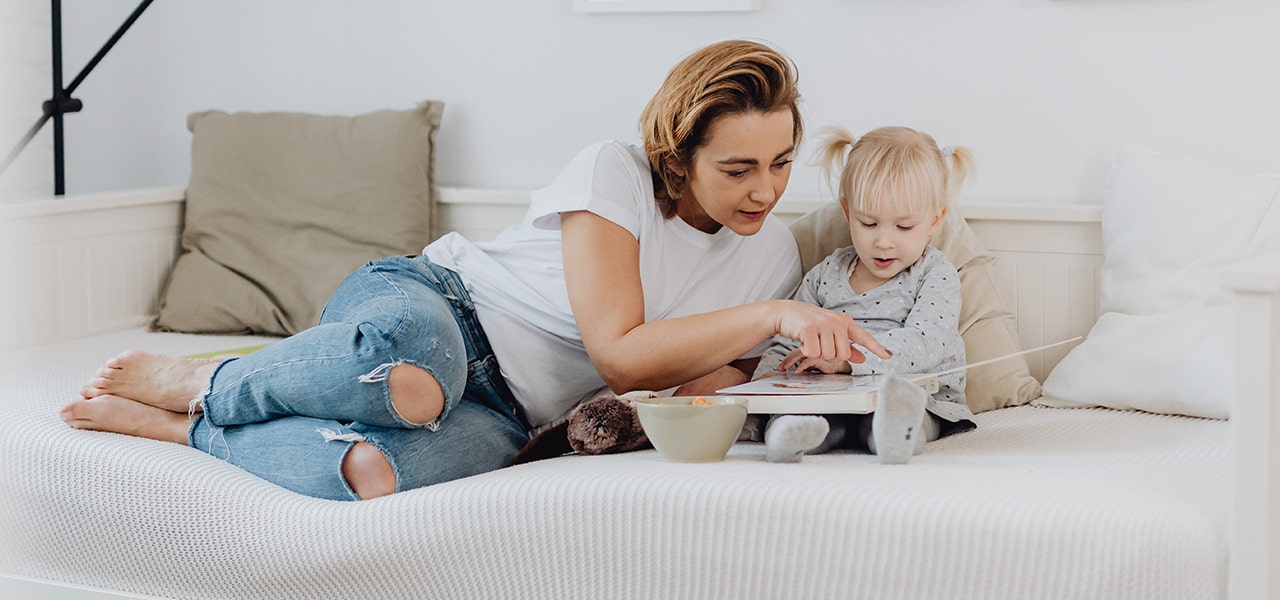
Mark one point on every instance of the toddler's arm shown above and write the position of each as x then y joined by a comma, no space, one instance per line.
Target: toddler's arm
929,338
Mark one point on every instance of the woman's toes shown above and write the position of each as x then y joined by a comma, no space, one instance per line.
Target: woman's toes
121,415
117,361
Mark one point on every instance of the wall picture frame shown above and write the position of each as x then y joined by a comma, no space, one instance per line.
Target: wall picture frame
659,6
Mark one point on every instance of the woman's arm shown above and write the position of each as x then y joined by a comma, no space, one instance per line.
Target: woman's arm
734,373
602,272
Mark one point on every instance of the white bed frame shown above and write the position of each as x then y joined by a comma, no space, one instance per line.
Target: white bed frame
94,264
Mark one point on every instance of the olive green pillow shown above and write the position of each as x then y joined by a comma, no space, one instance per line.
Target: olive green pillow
986,319
282,206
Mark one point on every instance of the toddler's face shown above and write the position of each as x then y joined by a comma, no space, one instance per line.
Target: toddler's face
888,240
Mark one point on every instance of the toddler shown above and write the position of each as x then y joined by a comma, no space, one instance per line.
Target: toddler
894,185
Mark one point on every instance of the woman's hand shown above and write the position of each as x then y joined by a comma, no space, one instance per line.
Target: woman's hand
801,363
825,334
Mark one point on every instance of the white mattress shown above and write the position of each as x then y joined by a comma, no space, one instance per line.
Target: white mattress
1036,503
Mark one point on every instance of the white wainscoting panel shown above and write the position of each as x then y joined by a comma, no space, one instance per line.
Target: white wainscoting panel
85,265
1047,260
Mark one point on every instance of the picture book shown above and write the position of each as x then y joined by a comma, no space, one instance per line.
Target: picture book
836,393
809,392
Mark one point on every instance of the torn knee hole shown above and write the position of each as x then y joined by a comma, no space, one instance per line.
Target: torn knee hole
416,396
368,472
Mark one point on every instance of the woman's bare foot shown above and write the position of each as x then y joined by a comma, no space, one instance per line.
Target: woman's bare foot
122,415
167,382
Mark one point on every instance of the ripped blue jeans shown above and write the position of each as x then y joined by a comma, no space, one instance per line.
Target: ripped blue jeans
290,412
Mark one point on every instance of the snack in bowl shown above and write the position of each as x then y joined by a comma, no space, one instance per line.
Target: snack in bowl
692,429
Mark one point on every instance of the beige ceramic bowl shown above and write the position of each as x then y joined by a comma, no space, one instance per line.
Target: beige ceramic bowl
685,432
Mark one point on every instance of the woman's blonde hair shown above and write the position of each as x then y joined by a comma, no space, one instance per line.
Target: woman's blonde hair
726,78
893,165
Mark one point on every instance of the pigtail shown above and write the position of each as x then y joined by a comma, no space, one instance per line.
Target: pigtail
959,160
833,151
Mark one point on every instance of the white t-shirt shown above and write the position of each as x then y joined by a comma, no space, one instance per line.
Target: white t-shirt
517,280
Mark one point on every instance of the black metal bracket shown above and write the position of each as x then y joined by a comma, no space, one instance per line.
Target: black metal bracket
62,101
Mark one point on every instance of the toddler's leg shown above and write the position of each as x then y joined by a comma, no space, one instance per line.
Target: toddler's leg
787,437
900,426
839,433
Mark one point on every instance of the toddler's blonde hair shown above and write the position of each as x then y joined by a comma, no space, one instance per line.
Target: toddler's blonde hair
893,166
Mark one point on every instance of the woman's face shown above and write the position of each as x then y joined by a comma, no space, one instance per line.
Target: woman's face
737,176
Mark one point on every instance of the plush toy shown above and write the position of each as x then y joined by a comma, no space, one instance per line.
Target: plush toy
605,424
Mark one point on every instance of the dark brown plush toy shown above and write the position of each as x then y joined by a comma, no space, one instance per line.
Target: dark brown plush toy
605,424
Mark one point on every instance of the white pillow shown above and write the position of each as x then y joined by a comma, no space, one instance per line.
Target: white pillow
1169,225
1174,363
1162,344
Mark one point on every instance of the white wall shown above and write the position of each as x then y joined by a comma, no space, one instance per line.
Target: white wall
24,85
1044,91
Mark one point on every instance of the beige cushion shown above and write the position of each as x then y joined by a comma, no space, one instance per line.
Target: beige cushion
282,206
986,319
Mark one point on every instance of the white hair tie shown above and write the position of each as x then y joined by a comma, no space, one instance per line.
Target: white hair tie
948,151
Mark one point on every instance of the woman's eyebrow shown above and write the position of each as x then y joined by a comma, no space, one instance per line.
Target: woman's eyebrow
752,161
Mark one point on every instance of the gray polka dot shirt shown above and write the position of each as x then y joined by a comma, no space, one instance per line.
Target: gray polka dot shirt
915,315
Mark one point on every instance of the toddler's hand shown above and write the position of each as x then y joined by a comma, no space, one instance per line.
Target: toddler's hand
803,363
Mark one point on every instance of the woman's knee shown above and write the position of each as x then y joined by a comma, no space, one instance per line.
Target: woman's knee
368,472
416,396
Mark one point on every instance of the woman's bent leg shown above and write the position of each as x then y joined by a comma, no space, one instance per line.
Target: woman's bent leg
389,313
307,455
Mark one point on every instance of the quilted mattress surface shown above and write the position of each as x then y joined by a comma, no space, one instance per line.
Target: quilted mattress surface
1035,503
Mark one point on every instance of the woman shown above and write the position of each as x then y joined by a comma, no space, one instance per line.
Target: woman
635,269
